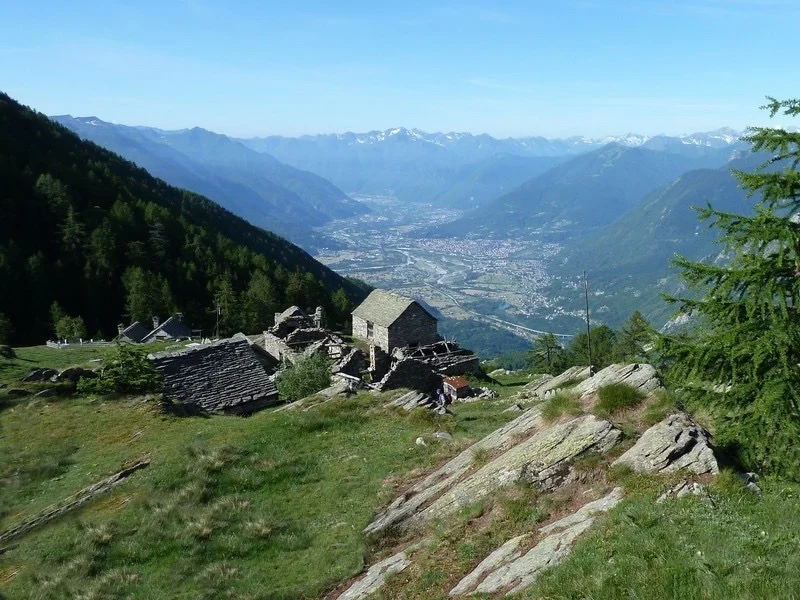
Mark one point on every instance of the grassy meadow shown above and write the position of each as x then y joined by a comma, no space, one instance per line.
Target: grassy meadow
272,506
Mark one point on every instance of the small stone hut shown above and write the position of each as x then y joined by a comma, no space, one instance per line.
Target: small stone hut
389,320
456,386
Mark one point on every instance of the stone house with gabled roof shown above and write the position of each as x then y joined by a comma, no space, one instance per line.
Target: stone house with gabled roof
172,329
389,321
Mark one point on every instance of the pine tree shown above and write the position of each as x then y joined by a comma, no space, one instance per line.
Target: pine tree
547,355
632,339
742,364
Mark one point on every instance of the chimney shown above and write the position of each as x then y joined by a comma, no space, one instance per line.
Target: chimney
179,316
319,317
155,322
120,328
277,318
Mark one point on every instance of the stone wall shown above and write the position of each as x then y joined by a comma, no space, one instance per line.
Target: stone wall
276,347
413,374
415,327
226,376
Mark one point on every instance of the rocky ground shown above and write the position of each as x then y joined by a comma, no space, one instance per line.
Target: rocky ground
541,453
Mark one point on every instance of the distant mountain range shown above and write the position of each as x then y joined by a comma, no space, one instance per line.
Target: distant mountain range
587,192
454,169
253,185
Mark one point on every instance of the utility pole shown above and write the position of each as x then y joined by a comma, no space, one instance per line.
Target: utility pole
588,330
218,300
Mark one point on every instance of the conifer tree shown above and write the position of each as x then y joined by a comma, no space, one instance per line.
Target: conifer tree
742,363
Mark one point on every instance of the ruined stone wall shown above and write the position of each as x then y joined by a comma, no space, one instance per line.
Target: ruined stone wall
275,346
412,374
415,327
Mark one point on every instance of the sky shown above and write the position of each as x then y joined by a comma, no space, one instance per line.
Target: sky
553,68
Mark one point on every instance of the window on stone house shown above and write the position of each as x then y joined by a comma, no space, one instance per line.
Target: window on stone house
369,329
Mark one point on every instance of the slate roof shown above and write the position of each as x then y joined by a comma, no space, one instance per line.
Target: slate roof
135,332
173,328
226,376
384,308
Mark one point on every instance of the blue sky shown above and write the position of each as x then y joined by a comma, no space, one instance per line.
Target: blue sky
554,68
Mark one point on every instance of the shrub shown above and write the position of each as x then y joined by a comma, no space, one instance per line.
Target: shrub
616,397
126,371
561,403
307,376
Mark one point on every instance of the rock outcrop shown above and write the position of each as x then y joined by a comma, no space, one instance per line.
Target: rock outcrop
40,375
525,450
511,569
641,377
547,384
674,443
376,575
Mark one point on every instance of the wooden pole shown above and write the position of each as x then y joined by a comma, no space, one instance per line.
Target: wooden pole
588,329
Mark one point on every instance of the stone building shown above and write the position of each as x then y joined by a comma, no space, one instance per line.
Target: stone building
230,376
389,320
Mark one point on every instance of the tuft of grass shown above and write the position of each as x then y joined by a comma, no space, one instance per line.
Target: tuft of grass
615,398
480,456
560,404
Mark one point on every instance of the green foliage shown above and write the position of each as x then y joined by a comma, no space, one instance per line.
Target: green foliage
126,370
547,356
616,397
76,217
742,366
70,328
307,376
630,342
561,403
603,339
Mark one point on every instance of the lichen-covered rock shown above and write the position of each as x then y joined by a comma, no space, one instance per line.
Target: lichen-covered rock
510,569
446,476
674,443
639,376
537,390
376,575
542,459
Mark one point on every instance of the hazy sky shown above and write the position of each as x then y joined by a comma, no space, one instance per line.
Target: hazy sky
553,68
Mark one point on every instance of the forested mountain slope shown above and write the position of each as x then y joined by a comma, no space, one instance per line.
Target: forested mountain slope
589,191
106,241
253,185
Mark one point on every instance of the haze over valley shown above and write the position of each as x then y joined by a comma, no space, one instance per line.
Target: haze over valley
494,234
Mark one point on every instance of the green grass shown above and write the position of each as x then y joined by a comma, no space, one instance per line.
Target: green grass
559,404
739,546
271,506
34,357
615,398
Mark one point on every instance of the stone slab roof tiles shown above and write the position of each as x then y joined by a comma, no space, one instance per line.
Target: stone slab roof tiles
226,376
384,308
135,332
172,328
